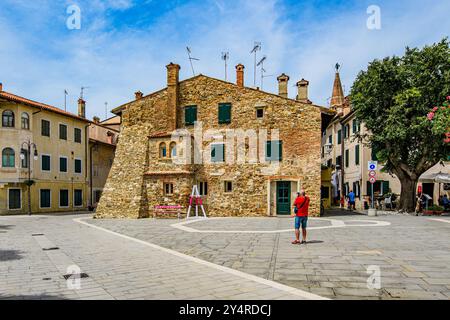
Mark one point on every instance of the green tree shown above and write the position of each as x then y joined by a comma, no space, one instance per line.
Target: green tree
393,98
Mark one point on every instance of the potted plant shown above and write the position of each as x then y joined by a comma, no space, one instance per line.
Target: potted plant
433,210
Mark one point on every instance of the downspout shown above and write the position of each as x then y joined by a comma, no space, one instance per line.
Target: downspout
342,162
88,159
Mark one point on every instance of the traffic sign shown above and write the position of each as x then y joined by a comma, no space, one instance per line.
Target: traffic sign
372,165
372,174
372,180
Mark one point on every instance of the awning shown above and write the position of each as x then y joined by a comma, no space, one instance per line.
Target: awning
437,177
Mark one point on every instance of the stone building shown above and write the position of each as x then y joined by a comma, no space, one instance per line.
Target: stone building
236,176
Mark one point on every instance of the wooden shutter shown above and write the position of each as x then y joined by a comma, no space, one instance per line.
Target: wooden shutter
224,113
357,154
339,136
385,187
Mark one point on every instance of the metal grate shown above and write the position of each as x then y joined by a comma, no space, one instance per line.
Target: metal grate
80,276
50,249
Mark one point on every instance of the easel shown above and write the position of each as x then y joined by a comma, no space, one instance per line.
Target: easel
195,196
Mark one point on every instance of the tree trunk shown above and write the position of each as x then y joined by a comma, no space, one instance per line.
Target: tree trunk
408,194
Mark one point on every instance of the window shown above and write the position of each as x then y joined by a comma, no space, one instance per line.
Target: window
8,158
63,132
357,189
62,164
8,119
346,131
356,126
162,150
77,135
78,198
274,150
228,186
260,113
374,154
218,152
339,136
338,161
329,163
330,139
323,152
173,150
168,189
45,128
190,115
25,121
45,163
224,113
24,158
78,166
203,188
14,199
357,155
63,198
347,158
45,199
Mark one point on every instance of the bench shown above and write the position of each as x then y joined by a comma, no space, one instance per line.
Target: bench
167,210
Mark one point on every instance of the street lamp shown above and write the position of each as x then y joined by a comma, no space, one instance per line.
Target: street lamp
28,145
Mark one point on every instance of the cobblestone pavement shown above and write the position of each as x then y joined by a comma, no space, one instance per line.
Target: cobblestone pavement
36,252
413,253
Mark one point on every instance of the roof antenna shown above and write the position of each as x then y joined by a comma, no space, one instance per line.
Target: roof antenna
261,63
190,59
225,57
82,91
256,48
65,99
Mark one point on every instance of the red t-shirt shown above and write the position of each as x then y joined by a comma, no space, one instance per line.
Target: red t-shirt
302,204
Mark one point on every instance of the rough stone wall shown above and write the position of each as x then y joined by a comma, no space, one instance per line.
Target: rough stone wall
130,193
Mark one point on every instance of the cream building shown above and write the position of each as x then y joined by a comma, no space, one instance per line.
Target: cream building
58,168
348,157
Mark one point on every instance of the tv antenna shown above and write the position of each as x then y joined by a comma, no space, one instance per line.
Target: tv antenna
65,99
82,91
256,48
261,63
191,59
225,57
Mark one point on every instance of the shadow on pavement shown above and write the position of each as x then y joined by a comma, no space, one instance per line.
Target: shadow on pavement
31,297
314,242
341,213
8,255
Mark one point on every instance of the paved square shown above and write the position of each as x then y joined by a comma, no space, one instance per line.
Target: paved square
231,258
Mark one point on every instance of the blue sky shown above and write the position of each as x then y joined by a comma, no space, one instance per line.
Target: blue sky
124,45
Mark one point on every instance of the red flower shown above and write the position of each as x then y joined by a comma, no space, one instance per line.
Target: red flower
448,97
430,116
435,109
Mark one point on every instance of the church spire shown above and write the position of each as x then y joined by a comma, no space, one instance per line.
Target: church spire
337,99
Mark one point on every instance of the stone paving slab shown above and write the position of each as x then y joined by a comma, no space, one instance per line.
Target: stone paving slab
117,267
412,252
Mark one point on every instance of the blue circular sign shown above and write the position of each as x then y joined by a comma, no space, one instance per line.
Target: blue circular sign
372,167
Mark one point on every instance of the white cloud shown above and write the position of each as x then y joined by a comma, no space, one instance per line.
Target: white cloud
115,62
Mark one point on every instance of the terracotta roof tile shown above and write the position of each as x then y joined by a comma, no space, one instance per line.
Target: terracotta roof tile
16,98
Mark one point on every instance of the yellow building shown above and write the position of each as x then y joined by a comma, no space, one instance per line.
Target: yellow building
58,166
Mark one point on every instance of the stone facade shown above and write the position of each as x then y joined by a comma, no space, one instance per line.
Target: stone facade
142,173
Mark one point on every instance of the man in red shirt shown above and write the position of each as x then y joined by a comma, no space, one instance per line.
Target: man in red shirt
301,206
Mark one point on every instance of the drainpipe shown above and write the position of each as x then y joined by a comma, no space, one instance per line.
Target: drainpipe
87,157
342,162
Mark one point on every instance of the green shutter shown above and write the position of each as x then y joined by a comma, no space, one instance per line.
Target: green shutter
357,154
354,126
347,156
280,150
274,150
190,115
268,150
339,136
224,113
385,187
374,155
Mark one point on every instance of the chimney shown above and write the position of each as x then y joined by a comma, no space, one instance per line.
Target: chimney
302,95
283,85
240,75
1,86
173,74
96,120
138,95
81,108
